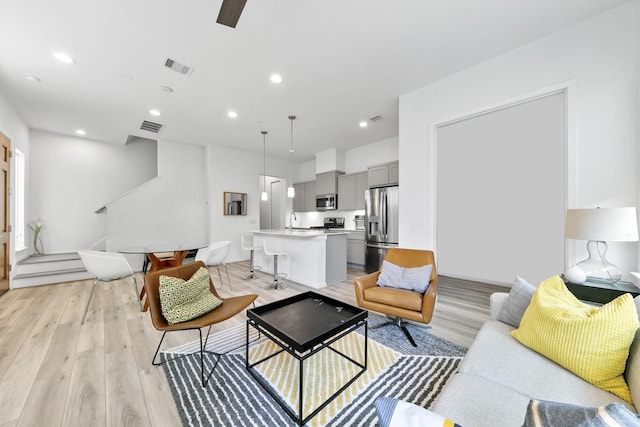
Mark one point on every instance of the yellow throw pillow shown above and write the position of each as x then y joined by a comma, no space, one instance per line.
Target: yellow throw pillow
592,342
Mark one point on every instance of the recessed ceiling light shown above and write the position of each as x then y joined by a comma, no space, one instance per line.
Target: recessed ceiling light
154,112
232,114
63,57
166,89
32,78
276,78
363,124
80,132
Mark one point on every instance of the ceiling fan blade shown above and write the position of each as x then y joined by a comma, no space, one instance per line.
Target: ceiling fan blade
230,12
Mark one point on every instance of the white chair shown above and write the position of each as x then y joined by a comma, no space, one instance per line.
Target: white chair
269,251
106,267
214,256
247,245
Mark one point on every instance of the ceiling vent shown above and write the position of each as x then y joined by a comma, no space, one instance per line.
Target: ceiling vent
376,118
178,67
151,126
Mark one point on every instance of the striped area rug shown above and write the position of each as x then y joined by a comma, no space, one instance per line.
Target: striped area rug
234,398
324,373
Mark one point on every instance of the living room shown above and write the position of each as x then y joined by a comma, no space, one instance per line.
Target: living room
593,61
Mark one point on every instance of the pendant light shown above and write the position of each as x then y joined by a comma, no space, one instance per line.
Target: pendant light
291,192
264,196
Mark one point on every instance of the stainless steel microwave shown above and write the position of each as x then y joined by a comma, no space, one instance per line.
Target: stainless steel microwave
326,202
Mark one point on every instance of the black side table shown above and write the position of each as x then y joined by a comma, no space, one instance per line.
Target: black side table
601,292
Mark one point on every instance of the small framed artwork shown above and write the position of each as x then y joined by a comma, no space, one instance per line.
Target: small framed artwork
235,203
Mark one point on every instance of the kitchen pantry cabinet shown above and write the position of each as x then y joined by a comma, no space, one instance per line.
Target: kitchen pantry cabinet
305,198
384,174
351,189
355,247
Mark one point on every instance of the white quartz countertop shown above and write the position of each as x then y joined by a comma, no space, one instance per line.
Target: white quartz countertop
301,233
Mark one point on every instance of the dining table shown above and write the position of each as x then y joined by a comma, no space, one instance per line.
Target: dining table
159,257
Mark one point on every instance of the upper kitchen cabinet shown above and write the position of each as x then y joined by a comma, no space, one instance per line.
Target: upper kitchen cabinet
351,189
384,174
305,198
327,183
310,196
298,200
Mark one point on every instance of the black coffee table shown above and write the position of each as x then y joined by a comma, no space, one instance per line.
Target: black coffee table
304,325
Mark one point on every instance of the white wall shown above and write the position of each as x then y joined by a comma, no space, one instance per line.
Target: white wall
360,158
598,59
169,212
70,178
237,171
14,128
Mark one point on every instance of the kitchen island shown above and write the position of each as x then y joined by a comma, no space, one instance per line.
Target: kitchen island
315,258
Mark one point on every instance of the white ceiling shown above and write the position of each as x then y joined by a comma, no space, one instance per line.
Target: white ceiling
342,61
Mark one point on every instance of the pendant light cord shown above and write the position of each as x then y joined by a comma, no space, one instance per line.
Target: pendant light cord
264,161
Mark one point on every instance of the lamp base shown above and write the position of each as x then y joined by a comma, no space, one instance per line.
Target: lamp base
596,267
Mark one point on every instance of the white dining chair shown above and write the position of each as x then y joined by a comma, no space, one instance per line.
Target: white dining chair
214,256
106,267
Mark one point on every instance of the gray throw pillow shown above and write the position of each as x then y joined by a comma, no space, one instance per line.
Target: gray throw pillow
412,279
541,413
517,302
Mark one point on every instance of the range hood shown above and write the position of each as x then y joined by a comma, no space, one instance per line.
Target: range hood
330,161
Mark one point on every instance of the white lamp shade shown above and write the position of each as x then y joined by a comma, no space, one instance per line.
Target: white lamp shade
291,192
263,196
603,224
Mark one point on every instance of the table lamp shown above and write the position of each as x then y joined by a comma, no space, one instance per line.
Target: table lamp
597,226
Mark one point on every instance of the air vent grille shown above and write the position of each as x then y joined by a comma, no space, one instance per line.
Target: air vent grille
178,67
376,118
151,126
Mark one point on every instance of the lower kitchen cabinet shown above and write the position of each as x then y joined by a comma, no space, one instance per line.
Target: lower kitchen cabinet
355,247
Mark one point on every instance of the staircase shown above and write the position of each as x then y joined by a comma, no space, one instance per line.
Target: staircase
39,270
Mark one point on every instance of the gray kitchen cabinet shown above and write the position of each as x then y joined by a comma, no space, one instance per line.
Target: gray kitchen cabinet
384,174
355,247
362,185
309,196
298,200
394,173
351,189
347,192
327,183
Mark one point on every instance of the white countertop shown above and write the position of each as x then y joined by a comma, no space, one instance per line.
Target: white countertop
301,233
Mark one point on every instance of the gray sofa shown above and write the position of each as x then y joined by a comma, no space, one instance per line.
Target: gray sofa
499,376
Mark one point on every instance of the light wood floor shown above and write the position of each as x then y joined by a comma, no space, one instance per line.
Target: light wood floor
55,372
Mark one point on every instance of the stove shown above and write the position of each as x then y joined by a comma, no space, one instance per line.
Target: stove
329,223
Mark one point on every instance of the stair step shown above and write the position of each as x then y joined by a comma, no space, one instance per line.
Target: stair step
49,279
40,259
50,273
49,268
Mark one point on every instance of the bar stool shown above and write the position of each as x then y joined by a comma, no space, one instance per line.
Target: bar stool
276,276
247,245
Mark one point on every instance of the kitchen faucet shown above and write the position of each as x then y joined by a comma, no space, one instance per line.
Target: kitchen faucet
292,216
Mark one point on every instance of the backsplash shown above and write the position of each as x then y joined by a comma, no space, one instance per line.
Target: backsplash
310,219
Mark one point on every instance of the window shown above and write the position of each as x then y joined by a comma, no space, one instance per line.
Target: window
19,179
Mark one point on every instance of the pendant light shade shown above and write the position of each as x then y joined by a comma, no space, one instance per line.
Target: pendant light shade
263,195
291,192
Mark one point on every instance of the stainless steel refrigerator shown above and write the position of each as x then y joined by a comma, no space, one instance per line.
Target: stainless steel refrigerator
381,225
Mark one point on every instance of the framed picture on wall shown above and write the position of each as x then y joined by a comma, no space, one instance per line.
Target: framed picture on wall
235,203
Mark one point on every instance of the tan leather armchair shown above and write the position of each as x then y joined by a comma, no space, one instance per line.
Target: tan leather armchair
400,303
